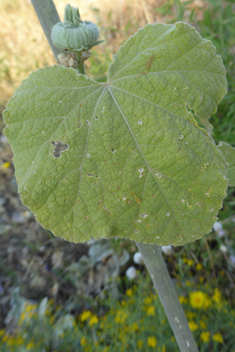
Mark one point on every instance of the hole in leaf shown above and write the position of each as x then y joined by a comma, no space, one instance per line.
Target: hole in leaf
59,147
144,215
92,175
113,150
96,117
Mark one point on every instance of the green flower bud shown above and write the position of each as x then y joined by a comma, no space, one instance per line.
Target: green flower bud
74,34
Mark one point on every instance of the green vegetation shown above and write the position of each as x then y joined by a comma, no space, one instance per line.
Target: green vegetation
135,322
205,268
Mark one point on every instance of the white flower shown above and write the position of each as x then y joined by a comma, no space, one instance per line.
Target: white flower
221,233
217,226
232,258
168,250
138,259
131,273
223,248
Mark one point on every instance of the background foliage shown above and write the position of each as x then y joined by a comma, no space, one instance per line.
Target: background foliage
74,279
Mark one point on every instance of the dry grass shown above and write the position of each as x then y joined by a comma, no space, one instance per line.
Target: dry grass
23,46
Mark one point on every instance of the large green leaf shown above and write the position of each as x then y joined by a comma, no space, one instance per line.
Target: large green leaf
229,153
134,163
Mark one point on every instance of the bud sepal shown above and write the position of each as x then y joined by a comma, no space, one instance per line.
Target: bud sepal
74,34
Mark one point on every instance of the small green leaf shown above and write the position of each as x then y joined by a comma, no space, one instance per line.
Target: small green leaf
130,159
229,154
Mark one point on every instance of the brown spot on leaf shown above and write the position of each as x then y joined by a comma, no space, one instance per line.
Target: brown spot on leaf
149,62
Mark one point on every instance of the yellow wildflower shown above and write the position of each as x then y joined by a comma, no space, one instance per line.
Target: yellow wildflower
94,320
19,340
199,266
207,303
2,332
163,348
185,260
131,301
201,278
191,315
205,336
29,346
135,326
83,341
202,324
30,307
5,338
120,317
152,342
6,165
85,315
188,283
190,262
183,299
129,292
123,303
140,344
151,310
172,338
163,321
197,299
216,296
28,312
218,337
148,300
193,326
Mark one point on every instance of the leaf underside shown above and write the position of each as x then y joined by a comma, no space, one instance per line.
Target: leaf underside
134,162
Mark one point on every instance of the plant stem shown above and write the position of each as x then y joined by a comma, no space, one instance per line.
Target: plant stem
159,274
80,67
48,17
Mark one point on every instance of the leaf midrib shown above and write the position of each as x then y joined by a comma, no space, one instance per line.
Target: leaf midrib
146,163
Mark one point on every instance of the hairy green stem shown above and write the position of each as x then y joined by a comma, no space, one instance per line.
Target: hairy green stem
48,17
159,274
80,67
